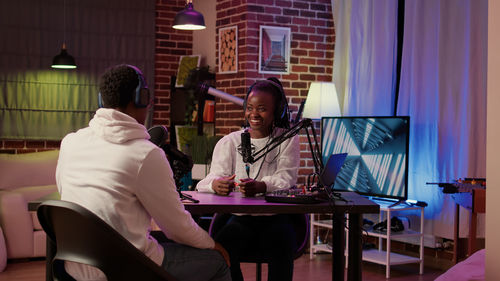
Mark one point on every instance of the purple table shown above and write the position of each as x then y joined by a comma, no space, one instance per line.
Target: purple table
356,206
235,203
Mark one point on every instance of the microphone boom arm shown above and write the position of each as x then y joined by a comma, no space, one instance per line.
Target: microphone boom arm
305,124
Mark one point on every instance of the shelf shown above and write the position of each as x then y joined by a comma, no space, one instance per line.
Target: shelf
380,257
322,248
394,235
323,223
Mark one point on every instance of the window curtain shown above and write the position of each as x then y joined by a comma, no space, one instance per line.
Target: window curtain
365,56
38,102
442,87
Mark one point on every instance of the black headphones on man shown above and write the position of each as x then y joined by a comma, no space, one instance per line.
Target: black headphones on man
142,96
282,113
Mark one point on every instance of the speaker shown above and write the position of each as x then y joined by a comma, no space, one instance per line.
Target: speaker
281,112
142,96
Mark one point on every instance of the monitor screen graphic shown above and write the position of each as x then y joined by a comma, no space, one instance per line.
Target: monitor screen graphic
377,148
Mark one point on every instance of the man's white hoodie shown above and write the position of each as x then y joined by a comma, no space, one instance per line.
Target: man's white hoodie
112,169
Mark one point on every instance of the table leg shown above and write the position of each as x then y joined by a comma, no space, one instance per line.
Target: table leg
456,234
355,247
50,248
338,236
472,233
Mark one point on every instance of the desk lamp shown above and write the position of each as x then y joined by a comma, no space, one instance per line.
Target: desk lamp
322,100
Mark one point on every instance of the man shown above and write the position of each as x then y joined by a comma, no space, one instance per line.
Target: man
112,169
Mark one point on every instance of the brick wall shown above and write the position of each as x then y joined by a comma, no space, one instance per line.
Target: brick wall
311,59
26,146
171,44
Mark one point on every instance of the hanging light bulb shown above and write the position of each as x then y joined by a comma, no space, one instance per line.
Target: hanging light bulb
189,19
64,60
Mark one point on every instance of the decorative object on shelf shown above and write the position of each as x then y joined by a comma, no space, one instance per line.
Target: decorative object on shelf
209,111
183,136
189,18
228,49
202,148
191,85
322,100
186,64
274,49
64,60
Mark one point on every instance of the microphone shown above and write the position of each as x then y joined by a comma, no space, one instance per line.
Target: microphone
158,135
246,147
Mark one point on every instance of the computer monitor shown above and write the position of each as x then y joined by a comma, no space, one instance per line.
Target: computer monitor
377,148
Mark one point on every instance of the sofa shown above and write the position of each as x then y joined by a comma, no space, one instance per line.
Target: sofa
24,177
472,268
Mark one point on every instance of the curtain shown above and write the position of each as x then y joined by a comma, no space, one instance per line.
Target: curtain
442,87
38,102
365,56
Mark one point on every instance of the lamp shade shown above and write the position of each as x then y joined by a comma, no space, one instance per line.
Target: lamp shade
64,60
189,19
322,100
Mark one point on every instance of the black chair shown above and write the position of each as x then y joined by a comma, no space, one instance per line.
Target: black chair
301,226
81,236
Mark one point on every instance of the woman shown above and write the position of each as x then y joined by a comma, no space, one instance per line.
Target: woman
266,112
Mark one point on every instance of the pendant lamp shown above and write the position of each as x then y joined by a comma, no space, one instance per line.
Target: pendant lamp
64,60
189,19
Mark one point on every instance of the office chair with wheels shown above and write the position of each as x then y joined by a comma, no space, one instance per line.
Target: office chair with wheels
301,226
81,236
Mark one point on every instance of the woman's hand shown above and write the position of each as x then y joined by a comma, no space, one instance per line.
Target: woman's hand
223,185
250,187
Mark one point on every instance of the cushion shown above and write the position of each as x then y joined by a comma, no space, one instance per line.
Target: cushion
20,170
470,269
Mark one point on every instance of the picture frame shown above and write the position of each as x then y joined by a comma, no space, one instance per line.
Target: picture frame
274,49
186,64
228,49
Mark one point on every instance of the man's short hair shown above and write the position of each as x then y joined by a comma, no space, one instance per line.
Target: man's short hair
117,86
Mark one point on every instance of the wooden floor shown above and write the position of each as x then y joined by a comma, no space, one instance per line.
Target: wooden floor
317,269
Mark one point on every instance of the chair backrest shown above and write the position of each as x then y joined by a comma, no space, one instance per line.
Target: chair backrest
300,223
81,236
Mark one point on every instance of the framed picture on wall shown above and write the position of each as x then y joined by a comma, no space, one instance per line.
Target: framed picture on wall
186,64
274,49
228,49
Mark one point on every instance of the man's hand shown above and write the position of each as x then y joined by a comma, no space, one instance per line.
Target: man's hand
218,247
223,185
250,187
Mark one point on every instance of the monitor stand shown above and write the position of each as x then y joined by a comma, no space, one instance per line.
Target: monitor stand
394,202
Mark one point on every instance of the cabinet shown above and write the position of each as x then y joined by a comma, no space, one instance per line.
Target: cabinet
379,256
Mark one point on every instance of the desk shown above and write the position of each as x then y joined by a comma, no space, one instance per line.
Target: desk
356,206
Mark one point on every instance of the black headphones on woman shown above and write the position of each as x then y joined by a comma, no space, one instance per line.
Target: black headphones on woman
281,112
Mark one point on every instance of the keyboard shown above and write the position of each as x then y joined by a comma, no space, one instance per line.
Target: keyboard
296,196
